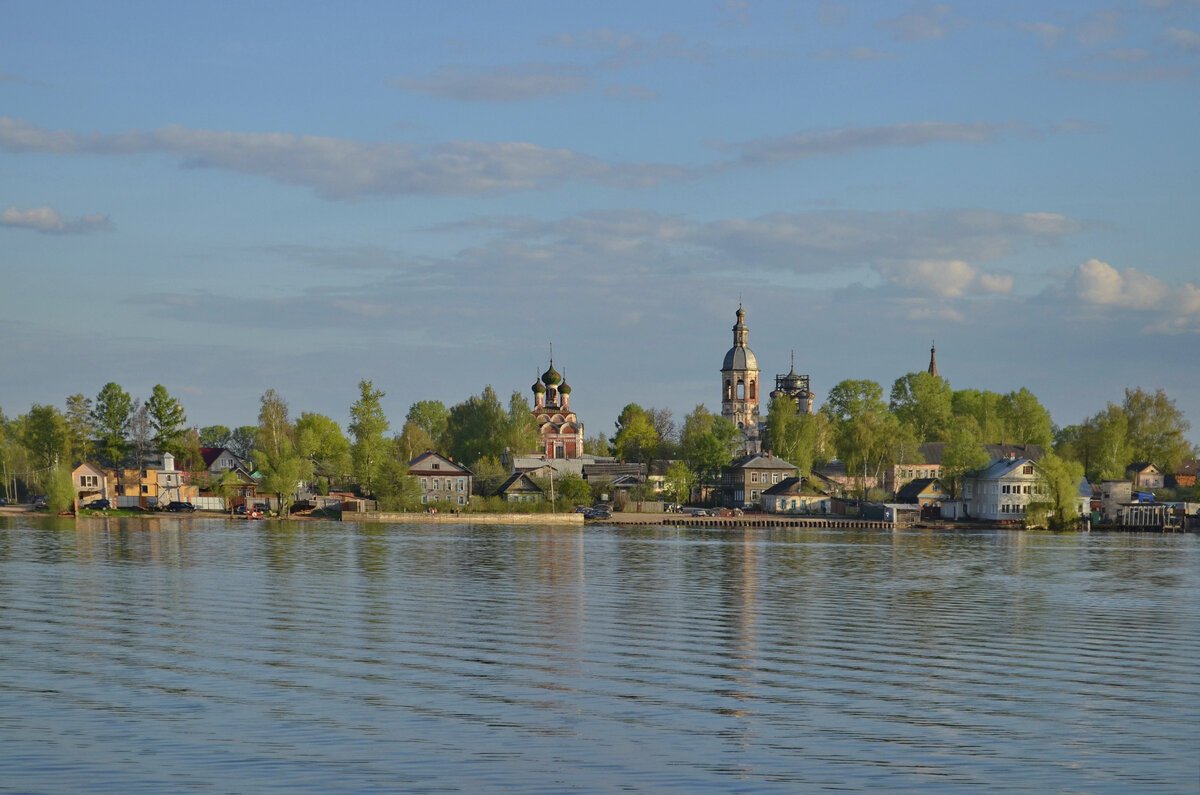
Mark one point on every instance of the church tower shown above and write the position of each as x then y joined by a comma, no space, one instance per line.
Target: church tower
560,430
739,382
933,359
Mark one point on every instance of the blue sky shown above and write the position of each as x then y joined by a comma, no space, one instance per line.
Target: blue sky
230,197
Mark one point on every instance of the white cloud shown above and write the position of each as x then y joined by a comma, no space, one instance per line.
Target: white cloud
852,139
943,278
499,84
47,220
340,168
1098,283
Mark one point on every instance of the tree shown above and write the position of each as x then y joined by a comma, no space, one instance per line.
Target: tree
792,435
282,465
167,419
242,441
47,437
226,487
81,427
1101,444
636,439
140,432
321,439
1026,421
866,435
708,444
395,489
520,431
964,452
216,436
412,441
59,488
923,402
367,425
1059,480
571,490
679,480
490,474
430,416
1156,429
475,428
111,413
597,445
985,409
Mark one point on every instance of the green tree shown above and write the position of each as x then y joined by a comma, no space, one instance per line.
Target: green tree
571,490
322,440
923,402
81,427
475,428
597,445
1059,480
167,419
792,435
216,436
637,439
47,437
1102,444
1156,429
412,441
226,487
243,440
679,480
282,466
395,489
367,426
707,444
111,413
490,474
59,488
985,409
866,435
520,430
964,452
1026,421
430,416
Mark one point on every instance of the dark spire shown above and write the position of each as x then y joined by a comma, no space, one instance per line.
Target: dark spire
933,359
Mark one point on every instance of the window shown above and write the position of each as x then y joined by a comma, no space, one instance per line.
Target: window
436,465
424,484
753,477
1027,470
437,484
462,482
774,477
462,500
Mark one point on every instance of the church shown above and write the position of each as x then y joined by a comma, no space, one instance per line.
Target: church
560,430
740,386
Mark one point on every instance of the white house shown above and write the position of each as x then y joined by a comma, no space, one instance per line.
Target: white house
1002,490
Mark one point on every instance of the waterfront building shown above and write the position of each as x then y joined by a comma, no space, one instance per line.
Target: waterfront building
749,476
1144,476
739,385
560,430
1001,491
520,488
441,479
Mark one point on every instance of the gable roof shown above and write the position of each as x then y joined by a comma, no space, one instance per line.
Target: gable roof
786,487
761,461
519,482
1140,466
1002,468
912,491
424,464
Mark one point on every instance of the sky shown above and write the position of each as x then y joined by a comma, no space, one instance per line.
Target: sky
226,198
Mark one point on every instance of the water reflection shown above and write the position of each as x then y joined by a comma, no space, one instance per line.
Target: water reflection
154,653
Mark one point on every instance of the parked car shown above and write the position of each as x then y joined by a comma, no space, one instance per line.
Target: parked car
180,507
598,513
39,501
240,510
98,505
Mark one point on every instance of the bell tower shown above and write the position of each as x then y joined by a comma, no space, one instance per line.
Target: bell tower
739,382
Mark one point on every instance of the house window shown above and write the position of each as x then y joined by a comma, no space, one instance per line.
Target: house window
753,477
1027,470
774,477
437,484
436,465
462,484
424,484
461,500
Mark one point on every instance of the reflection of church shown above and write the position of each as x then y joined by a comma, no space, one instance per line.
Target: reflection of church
560,430
740,387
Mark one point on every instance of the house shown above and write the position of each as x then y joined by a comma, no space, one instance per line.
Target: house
932,454
91,482
222,459
925,492
1144,476
1185,473
1001,491
788,496
520,488
748,477
1114,494
441,479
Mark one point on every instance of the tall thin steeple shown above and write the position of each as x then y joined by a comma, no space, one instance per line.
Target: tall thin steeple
933,359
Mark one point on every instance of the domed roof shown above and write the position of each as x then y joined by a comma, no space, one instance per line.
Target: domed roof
539,387
740,358
551,376
565,389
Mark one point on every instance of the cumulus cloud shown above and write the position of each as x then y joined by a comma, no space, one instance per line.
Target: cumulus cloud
47,220
499,84
339,168
1099,284
943,278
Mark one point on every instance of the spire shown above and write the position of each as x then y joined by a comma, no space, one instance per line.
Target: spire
933,359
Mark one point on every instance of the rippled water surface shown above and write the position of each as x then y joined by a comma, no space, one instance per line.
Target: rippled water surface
153,655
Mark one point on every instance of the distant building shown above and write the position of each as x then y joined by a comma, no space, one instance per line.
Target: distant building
794,387
1144,476
1185,473
926,492
441,480
91,482
788,496
749,476
895,477
933,360
560,430
739,385
1001,491
520,488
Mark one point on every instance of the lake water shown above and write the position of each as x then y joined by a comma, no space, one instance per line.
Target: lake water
174,654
